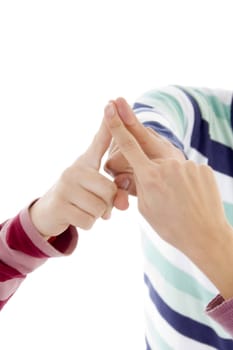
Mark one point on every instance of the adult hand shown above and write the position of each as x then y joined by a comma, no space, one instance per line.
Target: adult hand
154,145
180,200
81,195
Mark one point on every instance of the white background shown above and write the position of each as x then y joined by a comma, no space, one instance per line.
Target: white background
60,63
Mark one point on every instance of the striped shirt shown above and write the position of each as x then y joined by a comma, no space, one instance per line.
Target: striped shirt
23,249
200,123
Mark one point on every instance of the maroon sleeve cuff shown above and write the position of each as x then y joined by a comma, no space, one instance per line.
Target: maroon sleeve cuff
221,311
64,244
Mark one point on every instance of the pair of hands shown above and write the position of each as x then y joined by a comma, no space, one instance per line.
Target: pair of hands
82,194
177,197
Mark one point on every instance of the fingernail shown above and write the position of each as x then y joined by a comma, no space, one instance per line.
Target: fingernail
125,112
109,110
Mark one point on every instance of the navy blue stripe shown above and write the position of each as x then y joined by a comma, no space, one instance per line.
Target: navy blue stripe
162,130
141,105
220,157
185,325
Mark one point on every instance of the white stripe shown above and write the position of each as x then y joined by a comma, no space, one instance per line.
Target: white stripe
7,288
145,116
174,339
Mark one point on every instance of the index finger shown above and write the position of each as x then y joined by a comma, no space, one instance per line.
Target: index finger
126,142
146,140
98,147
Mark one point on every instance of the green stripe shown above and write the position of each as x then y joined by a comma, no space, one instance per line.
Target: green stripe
175,276
217,114
167,105
220,109
228,208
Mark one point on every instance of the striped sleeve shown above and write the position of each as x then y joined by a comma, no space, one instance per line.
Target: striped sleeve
199,120
169,112
23,249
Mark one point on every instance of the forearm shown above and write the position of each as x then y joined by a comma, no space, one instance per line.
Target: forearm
220,308
216,261
223,277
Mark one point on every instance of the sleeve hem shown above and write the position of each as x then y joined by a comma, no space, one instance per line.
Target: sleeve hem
221,311
65,247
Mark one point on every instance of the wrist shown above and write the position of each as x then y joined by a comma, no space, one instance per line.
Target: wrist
36,220
217,261
224,278
44,220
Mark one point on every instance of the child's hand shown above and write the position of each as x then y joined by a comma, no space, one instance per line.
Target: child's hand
81,195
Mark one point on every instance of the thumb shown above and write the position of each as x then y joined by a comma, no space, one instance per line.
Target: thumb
98,147
126,142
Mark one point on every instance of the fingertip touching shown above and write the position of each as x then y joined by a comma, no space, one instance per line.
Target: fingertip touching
125,111
127,143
